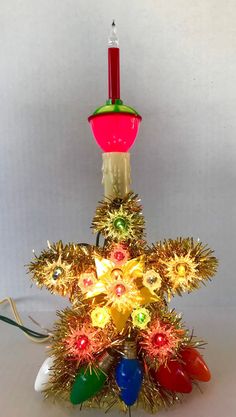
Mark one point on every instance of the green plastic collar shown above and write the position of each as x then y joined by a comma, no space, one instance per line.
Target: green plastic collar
117,107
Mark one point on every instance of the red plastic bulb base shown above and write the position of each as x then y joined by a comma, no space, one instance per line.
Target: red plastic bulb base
115,132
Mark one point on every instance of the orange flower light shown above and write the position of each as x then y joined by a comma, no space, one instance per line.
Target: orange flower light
160,340
84,341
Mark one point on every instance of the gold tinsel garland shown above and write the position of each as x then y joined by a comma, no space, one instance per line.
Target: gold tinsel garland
120,219
119,292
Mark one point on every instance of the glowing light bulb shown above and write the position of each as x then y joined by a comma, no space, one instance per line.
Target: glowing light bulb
58,271
115,131
120,224
159,340
117,273
113,41
82,342
181,269
87,282
120,290
100,317
152,280
141,317
119,256
114,125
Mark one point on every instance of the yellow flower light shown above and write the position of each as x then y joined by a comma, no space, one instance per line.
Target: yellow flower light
182,272
100,317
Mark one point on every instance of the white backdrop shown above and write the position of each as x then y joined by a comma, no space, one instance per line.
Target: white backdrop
178,68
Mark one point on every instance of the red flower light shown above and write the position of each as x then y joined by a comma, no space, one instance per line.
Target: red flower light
160,340
83,342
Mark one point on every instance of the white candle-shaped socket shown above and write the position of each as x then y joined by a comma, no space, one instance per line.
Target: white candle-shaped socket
44,374
116,174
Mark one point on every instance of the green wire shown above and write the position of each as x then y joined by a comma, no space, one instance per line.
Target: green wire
98,238
23,328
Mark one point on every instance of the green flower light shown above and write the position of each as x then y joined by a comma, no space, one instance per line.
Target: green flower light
121,224
141,317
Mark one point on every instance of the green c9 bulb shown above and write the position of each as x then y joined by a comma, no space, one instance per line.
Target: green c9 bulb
89,381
